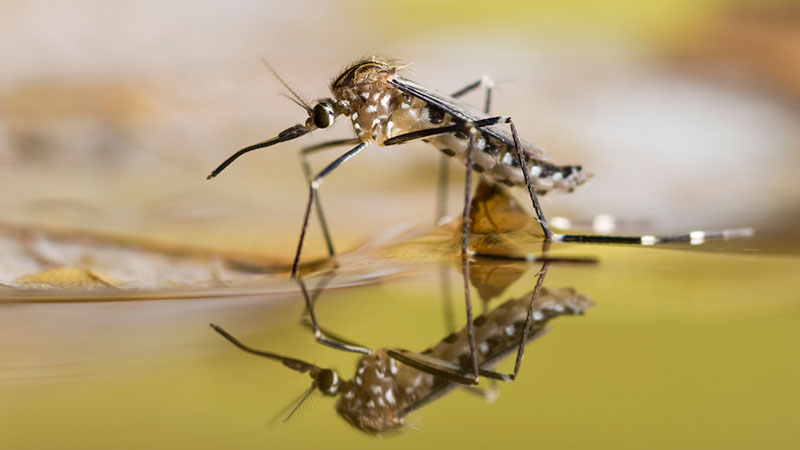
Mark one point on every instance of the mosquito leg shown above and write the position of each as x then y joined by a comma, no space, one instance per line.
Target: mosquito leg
441,191
441,202
523,163
470,325
694,237
486,81
307,173
312,193
473,375
444,160
428,132
319,335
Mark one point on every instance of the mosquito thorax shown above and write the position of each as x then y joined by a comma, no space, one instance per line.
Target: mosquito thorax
372,400
328,382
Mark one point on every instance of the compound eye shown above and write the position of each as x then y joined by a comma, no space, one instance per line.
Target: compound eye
322,116
328,382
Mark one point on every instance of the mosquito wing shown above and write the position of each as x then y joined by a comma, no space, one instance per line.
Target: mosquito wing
465,113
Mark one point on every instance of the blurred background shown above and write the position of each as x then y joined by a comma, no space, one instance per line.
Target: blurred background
686,112
113,113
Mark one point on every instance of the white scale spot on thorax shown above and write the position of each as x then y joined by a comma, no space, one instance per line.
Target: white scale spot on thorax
390,397
535,171
385,100
372,108
508,158
558,176
371,404
392,367
509,330
483,347
537,316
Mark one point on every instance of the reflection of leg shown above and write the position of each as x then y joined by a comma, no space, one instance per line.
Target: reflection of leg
312,193
321,336
529,318
307,173
444,160
456,372
447,298
312,300
473,350
314,294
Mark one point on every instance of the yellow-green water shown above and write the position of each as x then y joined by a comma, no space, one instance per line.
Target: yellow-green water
683,348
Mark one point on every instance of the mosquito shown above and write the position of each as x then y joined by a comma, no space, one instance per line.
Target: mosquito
390,383
387,109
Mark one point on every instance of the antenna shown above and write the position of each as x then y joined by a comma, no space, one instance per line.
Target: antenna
294,405
300,100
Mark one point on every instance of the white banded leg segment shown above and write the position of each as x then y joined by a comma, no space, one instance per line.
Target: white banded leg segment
312,192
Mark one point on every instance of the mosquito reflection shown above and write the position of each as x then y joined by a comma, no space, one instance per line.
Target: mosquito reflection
391,383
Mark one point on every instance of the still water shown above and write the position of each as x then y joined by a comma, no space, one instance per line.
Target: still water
682,346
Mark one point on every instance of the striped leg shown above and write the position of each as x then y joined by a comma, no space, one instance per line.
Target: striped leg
444,160
312,193
307,173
